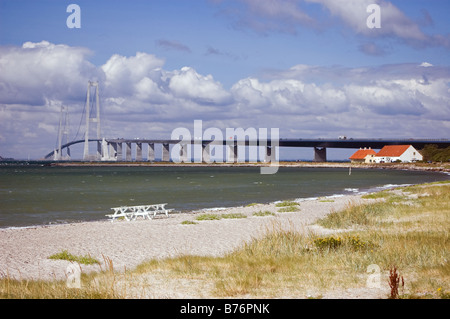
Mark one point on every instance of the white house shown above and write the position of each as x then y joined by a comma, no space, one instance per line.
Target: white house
394,153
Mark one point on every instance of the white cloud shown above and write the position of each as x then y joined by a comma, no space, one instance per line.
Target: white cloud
393,21
188,84
36,71
288,96
123,75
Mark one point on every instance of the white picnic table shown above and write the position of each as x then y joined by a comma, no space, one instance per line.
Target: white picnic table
144,211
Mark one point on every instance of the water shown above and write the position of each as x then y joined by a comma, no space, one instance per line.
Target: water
51,195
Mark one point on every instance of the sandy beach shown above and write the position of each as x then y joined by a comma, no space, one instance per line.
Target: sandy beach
24,252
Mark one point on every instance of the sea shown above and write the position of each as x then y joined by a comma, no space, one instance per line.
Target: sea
44,195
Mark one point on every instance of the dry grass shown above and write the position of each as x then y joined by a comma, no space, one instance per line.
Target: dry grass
101,285
407,229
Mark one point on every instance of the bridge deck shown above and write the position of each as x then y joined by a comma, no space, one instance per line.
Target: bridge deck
288,142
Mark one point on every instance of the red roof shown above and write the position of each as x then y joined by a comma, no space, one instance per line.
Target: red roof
361,154
393,150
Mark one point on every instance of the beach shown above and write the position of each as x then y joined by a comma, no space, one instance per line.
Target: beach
24,251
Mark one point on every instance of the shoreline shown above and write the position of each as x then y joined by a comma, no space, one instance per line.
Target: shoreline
438,167
24,251
350,192
435,167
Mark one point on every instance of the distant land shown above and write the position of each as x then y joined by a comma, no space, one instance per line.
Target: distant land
423,166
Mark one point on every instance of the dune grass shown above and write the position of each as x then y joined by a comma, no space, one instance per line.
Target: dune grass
209,217
263,213
96,285
65,255
188,222
411,234
286,204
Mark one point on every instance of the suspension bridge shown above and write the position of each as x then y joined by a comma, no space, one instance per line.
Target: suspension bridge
122,149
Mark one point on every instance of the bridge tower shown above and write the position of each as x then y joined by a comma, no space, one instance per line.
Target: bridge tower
63,133
92,115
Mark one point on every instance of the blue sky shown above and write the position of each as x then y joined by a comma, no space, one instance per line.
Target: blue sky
309,67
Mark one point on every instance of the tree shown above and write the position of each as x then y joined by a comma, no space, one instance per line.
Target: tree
432,152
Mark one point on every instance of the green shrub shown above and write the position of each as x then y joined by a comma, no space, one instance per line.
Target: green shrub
65,255
353,242
328,242
209,217
287,204
188,222
288,209
265,213
236,215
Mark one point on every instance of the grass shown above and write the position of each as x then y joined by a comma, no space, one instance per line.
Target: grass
263,213
188,222
100,285
377,195
220,216
414,238
410,234
287,204
209,217
65,255
233,216
288,209
355,215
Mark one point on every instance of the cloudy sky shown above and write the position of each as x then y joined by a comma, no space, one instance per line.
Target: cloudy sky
312,68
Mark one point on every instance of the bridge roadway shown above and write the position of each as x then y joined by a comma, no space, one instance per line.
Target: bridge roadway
319,145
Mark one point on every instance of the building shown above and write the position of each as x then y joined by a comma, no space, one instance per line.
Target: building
395,153
365,155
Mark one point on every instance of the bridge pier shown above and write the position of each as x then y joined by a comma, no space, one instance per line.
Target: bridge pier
320,154
232,153
151,152
128,151
270,155
206,155
165,152
183,153
138,151
56,154
105,153
119,155
113,151
99,151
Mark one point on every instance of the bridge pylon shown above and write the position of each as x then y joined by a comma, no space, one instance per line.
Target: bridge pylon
92,115
63,133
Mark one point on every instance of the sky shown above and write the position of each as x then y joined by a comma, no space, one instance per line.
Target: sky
311,68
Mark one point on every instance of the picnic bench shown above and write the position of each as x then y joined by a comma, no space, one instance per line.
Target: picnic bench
144,211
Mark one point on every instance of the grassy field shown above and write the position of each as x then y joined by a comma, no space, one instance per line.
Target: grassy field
404,233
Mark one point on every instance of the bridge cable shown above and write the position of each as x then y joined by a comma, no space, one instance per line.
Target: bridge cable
81,119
